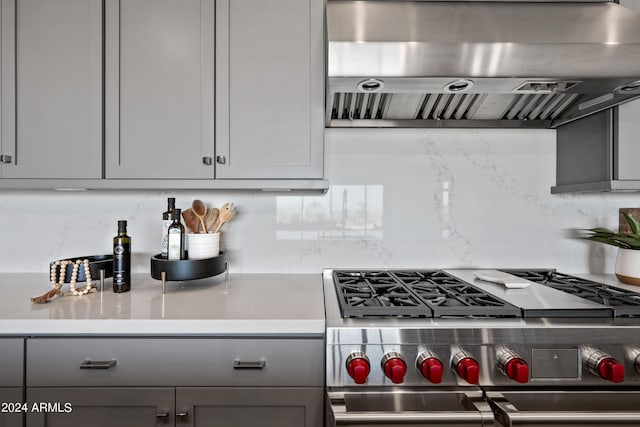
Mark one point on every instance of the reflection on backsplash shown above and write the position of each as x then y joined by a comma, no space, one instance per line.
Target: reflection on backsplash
345,212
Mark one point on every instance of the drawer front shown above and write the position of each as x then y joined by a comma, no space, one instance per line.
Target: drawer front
11,362
65,362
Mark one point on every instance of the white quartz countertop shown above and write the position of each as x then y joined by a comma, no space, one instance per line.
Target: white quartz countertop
247,304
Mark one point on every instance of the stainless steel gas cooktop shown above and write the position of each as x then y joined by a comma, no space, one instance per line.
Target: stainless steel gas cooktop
458,293
431,345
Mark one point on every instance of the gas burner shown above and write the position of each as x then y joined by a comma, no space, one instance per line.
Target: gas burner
449,296
414,294
624,303
375,293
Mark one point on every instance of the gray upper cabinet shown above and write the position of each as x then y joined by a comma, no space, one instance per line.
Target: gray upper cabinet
270,84
7,85
159,89
54,128
149,94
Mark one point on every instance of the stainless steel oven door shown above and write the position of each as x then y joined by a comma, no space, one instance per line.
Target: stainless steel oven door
408,408
565,408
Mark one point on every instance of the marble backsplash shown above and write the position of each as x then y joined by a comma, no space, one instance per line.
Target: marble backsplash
398,198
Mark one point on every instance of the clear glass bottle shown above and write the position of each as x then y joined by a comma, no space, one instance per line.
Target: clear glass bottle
175,237
167,219
122,259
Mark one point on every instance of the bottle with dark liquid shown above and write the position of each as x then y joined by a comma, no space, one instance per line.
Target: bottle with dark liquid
167,219
122,259
175,237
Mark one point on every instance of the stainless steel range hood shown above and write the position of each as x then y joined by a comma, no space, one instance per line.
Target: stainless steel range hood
478,64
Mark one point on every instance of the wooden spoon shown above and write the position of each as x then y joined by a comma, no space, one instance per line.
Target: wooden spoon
190,220
211,218
200,210
227,213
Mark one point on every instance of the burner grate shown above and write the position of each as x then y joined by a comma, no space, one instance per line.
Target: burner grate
449,296
375,293
429,293
624,303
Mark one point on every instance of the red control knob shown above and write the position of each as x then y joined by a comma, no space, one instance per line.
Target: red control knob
518,370
610,369
358,369
468,370
431,369
395,369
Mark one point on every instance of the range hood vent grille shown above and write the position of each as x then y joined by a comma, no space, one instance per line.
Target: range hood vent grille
466,64
445,106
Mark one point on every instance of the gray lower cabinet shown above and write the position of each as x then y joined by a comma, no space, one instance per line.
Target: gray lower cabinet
196,407
159,89
141,381
270,88
11,381
240,407
11,411
100,407
51,89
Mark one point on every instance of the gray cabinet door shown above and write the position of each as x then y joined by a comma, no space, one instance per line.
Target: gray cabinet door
7,85
159,88
241,407
58,89
270,84
102,407
12,413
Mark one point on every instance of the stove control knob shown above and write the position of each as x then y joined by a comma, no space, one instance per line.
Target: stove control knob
612,370
358,367
513,366
517,370
394,367
430,366
466,367
603,365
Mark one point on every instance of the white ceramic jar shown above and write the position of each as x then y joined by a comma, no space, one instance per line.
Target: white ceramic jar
203,245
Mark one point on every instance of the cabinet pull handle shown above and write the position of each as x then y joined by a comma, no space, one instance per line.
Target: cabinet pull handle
5,158
256,364
98,364
207,161
182,417
221,159
162,417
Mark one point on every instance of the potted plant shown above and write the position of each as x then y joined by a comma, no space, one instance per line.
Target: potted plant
628,259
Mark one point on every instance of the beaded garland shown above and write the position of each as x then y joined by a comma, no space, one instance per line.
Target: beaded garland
57,282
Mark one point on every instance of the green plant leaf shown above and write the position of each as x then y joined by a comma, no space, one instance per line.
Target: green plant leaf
608,241
631,241
601,230
633,223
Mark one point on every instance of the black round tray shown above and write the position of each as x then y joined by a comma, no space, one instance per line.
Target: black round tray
187,269
96,263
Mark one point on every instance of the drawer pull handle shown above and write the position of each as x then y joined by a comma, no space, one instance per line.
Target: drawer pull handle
182,417
162,417
98,364
258,364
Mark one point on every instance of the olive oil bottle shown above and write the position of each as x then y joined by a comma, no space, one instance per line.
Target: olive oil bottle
122,259
167,219
175,237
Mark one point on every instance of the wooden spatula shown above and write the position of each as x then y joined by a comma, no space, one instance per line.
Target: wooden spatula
211,218
191,220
